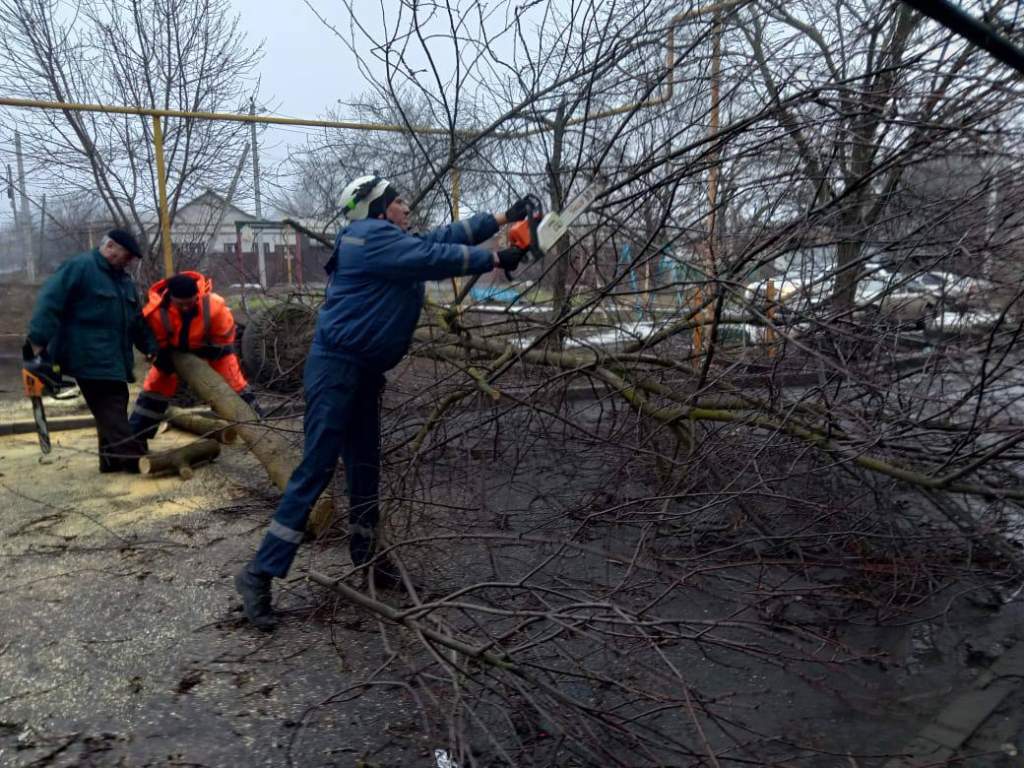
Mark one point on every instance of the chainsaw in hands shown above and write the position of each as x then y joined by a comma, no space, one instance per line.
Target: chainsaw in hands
537,233
41,377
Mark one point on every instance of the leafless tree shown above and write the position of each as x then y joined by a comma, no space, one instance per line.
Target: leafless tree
637,509
865,98
186,55
619,527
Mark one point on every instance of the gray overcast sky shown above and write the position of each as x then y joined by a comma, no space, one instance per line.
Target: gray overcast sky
305,67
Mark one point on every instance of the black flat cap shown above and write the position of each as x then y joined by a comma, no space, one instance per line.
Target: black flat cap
126,240
182,286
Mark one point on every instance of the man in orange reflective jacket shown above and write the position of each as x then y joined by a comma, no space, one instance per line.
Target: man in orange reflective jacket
185,315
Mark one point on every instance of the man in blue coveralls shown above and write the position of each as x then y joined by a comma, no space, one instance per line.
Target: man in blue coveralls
374,297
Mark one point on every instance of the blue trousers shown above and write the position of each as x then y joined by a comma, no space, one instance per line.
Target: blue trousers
342,419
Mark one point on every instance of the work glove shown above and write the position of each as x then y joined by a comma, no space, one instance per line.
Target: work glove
509,259
520,209
164,360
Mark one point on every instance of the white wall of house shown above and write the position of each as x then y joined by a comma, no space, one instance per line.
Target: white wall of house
207,222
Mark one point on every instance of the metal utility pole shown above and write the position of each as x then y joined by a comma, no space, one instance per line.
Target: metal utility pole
10,194
161,181
219,221
25,223
255,161
261,257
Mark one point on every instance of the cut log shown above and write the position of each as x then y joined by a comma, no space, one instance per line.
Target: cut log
204,426
180,460
266,445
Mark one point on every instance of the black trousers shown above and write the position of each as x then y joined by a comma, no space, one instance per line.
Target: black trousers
108,401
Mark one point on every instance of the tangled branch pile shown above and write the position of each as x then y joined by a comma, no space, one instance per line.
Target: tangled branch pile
767,392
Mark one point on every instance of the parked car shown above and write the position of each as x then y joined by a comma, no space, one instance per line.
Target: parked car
792,292
950,286
806,291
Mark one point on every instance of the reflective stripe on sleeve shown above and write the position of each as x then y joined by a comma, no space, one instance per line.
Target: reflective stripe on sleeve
165,319
206,318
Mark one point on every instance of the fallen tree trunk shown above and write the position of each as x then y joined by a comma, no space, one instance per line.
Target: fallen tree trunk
180,460
204,426
266,445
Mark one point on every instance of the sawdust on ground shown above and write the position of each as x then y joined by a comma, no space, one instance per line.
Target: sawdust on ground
68,481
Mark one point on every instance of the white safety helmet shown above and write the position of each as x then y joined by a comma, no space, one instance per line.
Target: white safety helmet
360,194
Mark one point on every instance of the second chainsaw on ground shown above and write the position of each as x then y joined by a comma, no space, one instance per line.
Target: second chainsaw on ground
41,378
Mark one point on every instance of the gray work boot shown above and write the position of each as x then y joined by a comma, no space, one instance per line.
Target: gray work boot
254,587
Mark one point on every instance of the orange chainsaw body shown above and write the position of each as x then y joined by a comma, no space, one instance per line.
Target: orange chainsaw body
34,385
519,235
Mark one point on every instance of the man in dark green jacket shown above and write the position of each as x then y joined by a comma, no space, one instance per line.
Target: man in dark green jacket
87,317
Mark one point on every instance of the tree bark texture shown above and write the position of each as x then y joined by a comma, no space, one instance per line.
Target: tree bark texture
270,448
204,426
180,459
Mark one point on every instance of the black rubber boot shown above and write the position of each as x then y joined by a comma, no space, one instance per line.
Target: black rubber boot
107,464
250,397
385,575
254,588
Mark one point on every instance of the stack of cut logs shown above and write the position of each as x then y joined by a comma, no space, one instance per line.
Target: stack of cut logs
213,432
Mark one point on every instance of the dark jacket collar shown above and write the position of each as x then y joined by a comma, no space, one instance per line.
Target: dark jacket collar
102,262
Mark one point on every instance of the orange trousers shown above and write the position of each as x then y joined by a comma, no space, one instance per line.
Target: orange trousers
166,384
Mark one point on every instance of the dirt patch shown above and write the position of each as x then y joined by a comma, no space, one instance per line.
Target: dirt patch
17,300
123,643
